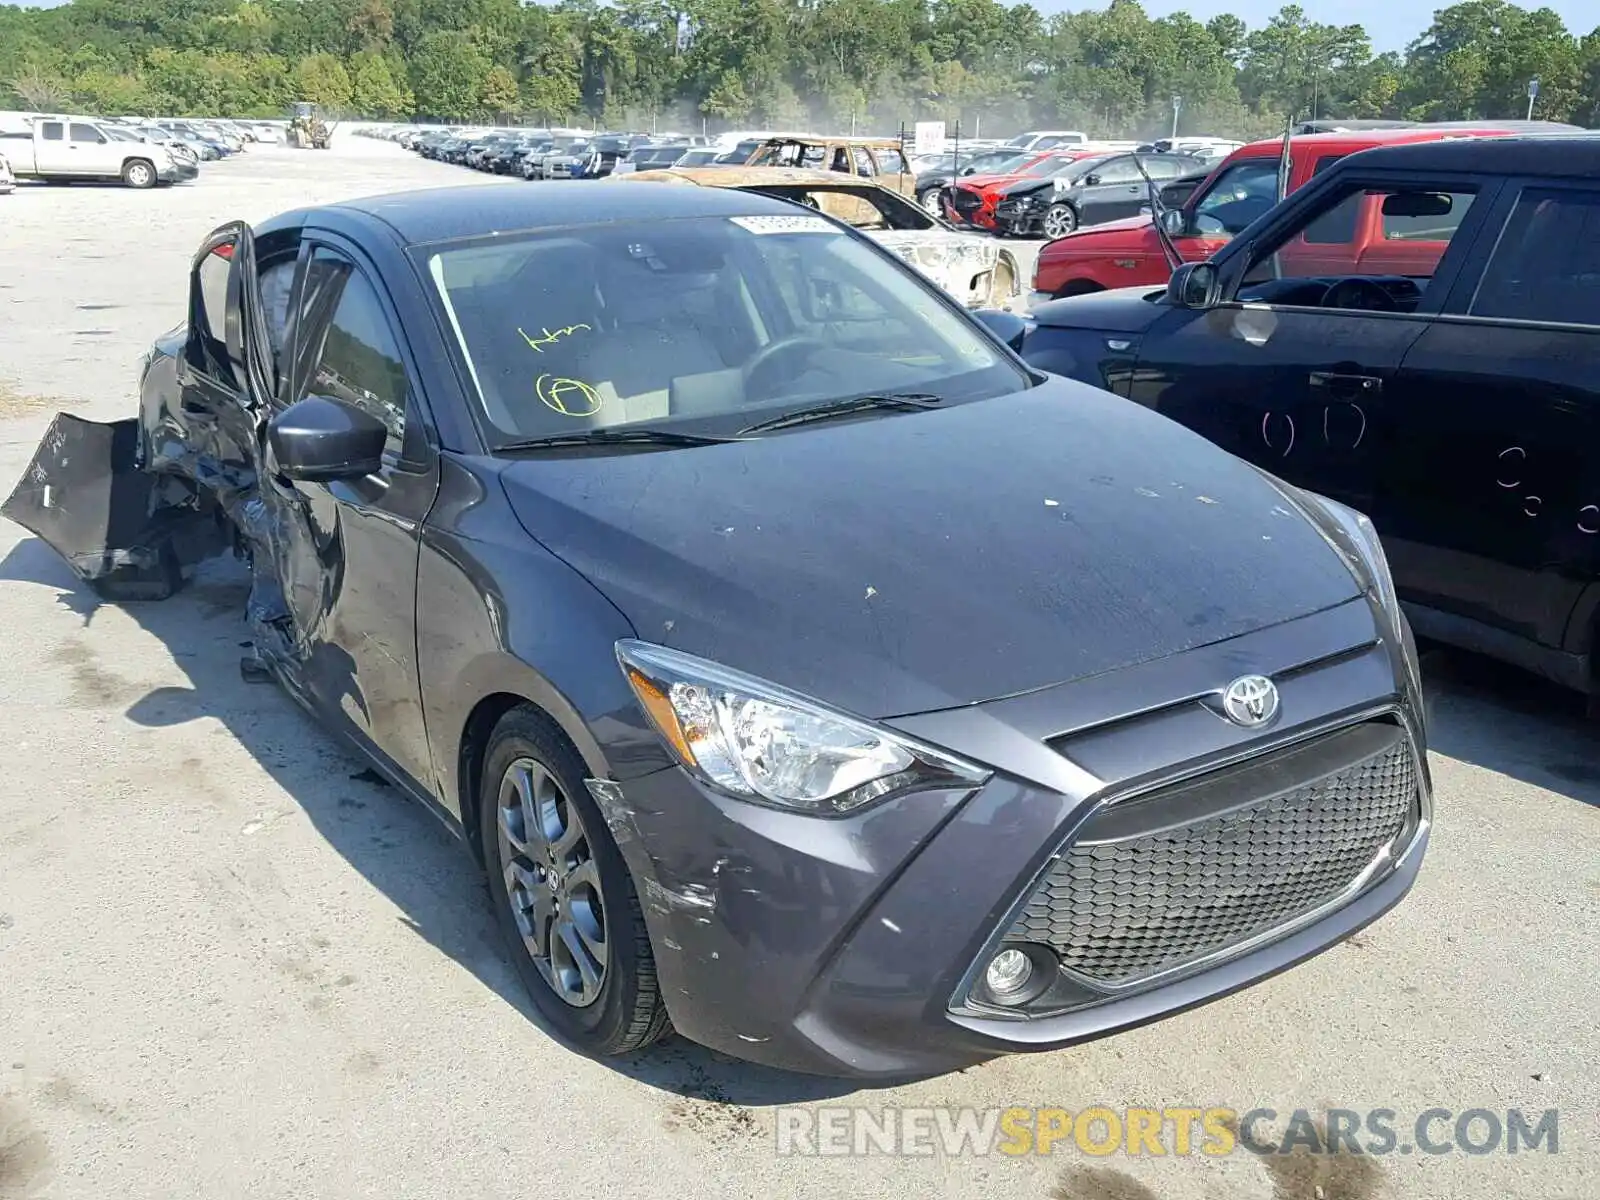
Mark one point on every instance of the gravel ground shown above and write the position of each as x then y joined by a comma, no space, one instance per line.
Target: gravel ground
232,965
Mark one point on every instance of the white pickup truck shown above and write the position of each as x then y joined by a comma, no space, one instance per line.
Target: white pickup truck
61,151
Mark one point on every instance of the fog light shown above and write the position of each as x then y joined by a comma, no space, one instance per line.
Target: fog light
1008,972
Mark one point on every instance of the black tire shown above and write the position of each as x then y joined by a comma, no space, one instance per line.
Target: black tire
928,198
139,173
1059,220
627,1012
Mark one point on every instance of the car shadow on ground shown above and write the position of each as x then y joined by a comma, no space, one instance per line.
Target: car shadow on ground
1496,716
400,848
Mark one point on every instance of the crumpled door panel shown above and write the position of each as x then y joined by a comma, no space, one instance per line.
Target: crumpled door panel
134,505
128,533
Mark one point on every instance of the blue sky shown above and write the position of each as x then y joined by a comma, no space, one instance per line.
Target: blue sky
1392,23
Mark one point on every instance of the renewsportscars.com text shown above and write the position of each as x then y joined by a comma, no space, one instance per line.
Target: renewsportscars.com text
1101,1131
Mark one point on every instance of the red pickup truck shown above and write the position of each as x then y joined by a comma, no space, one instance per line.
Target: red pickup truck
1128,253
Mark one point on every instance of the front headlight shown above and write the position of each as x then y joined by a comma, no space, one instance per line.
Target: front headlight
1353,535
762,743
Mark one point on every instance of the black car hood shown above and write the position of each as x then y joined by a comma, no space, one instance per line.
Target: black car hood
911,562
1120,310
1025,187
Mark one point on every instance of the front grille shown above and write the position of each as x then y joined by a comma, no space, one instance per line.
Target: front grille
1188,873
964,202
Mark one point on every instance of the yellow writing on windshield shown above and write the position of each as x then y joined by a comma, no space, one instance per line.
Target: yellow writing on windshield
569,397
549,337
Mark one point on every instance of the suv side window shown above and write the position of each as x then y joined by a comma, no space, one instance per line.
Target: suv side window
1118,170
1546,264
1240,194
359,360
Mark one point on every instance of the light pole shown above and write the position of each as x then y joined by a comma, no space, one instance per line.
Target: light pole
1533,94
1177,107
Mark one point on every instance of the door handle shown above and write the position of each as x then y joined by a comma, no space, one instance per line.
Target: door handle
1347,386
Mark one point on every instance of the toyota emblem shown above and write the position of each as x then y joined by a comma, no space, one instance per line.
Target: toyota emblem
1250,700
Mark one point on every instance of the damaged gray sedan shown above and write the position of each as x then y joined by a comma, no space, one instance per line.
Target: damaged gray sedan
808,674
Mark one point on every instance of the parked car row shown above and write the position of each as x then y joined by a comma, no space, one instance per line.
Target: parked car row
140,152
1053,192
556,153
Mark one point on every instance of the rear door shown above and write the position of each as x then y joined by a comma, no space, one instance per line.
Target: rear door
1491,495
1291,372
1117,191
52,152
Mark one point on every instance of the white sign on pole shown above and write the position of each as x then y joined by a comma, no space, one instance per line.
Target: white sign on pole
929,138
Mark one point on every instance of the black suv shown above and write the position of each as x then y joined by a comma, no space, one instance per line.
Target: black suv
1415,333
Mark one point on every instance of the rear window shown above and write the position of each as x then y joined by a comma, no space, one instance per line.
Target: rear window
1546,265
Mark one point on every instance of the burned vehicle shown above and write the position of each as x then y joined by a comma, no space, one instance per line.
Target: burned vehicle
972,268
616,526
882,160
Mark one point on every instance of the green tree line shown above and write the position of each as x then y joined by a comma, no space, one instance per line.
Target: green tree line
861,64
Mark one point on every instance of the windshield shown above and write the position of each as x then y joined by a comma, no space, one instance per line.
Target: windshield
712,323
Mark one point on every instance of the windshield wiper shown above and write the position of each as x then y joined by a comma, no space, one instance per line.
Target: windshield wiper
614,437
900,401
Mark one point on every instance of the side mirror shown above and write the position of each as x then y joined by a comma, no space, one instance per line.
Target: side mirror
1092,179
1194,285
320,439
1175,221
1007,326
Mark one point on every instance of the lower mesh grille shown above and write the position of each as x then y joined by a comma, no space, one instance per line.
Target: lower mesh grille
1120,908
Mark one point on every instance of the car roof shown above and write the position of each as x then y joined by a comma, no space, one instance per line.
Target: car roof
468,210
1365,139
752,176
1564,155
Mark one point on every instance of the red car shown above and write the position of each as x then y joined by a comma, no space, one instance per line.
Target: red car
1129,253
971,201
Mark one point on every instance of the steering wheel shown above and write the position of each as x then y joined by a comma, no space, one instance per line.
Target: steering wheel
784,351
1356,292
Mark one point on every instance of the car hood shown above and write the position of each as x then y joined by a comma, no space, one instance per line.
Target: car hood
1025,187
1119,310
939,252
1091,241
912,562
982,183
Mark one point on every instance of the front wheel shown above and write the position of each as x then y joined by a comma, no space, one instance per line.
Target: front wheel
563,895
1061,220
139,174
929,199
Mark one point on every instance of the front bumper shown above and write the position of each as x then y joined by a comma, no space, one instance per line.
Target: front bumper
177,171
1017,218
852,946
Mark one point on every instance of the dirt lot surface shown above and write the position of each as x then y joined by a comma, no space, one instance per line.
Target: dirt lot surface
233,966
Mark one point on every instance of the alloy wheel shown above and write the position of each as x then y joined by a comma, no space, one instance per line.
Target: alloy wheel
930,202
1060,221
553,883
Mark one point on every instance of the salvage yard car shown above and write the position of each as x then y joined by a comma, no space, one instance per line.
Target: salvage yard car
809,674
882,160
60,151
1416,334
972,268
